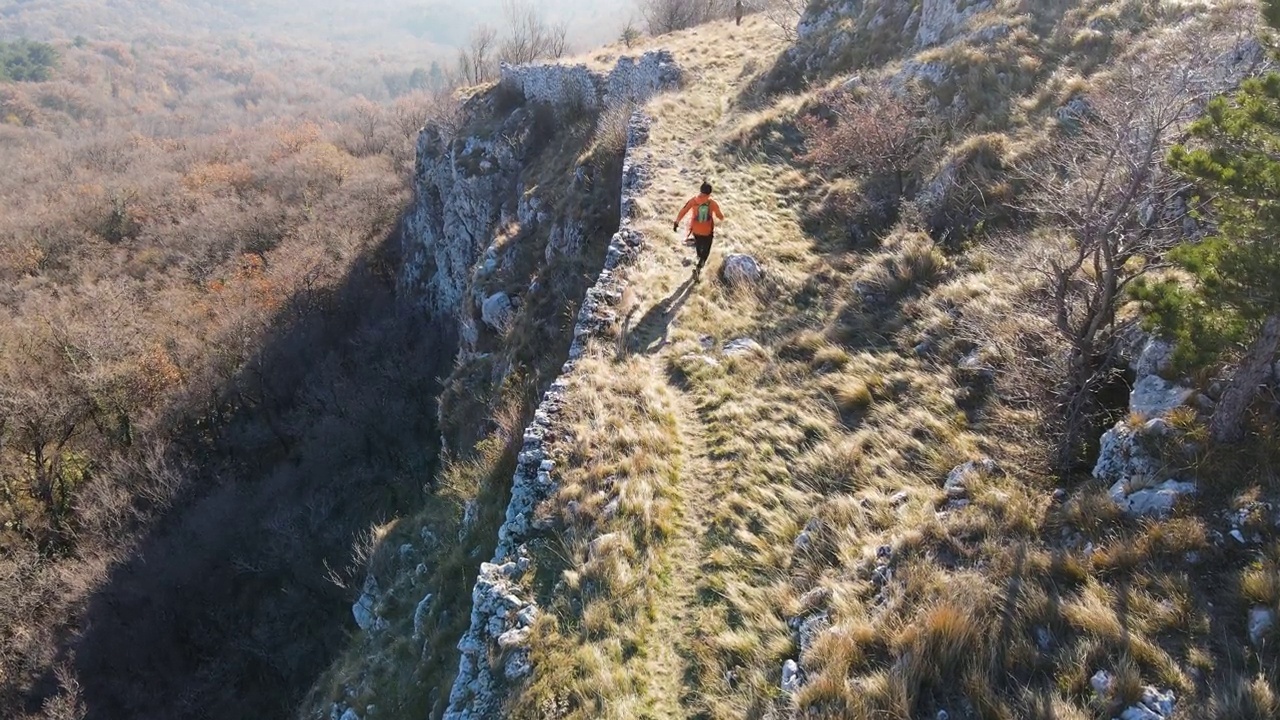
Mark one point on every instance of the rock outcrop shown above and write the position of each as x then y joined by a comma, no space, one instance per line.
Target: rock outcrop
941,20
1136,455
468,186
576,87
503,609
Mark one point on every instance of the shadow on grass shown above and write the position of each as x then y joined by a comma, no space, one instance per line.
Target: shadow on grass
649,335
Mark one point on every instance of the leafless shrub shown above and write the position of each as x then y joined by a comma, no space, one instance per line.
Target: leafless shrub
528,36
666,16
786,15
872,132
874,145
1104,186
476,62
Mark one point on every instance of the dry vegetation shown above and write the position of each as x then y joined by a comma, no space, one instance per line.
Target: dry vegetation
205,383
799,499
208,393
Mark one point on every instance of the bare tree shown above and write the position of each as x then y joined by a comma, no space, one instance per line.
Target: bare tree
529,36
1103,182
475,61
786,15
665,16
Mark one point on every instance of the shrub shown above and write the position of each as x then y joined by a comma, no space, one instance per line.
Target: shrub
26,61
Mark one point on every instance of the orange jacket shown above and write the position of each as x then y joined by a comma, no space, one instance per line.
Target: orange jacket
697,225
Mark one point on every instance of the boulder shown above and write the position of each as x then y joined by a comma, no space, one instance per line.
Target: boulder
1153,396
741,270
791,678
1157,501
496,311
1262,621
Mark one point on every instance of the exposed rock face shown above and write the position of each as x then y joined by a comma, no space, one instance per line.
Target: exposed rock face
576,87
497,310
466,187
502,610
941,20
829,30
365,606
1133,458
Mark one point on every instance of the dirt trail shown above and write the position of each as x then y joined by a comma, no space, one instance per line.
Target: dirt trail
687,135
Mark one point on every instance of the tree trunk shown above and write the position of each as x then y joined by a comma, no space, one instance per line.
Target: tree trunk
1228,419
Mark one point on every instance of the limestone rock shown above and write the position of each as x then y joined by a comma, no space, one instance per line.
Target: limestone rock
500,616
1155,358
570,87
956,485
1157,501
791,678
1262,621
743,346
1154,705
941,20
1101,682
363,608
1128,456
420,615
1153,396
466,186
497,311
741,270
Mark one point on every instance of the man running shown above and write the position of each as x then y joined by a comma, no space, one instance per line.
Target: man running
702,226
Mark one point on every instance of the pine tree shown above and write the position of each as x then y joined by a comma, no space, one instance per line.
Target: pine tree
1233,298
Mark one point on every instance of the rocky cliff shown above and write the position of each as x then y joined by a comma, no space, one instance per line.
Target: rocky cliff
503,611
475,178
520,217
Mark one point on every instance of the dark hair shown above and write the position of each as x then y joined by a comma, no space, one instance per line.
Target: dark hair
706,188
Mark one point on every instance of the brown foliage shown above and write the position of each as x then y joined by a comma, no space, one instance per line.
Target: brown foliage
198,338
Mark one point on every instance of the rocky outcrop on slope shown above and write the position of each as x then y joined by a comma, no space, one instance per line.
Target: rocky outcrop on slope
503,610
578,87
941,20
1136,454
470,183
834,34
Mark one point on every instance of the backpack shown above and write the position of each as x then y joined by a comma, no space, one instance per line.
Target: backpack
704,212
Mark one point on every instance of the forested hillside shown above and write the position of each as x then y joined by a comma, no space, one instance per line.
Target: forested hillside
209,392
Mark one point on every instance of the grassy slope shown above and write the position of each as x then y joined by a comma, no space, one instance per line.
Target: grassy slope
683,609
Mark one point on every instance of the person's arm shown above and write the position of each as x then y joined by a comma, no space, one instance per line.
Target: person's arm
683,211
715,207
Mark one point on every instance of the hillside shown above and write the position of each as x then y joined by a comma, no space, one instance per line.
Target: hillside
849,471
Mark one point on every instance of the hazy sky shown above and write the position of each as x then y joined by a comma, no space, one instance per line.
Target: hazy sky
394,26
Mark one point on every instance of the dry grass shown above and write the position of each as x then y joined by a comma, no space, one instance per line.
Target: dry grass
711,505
